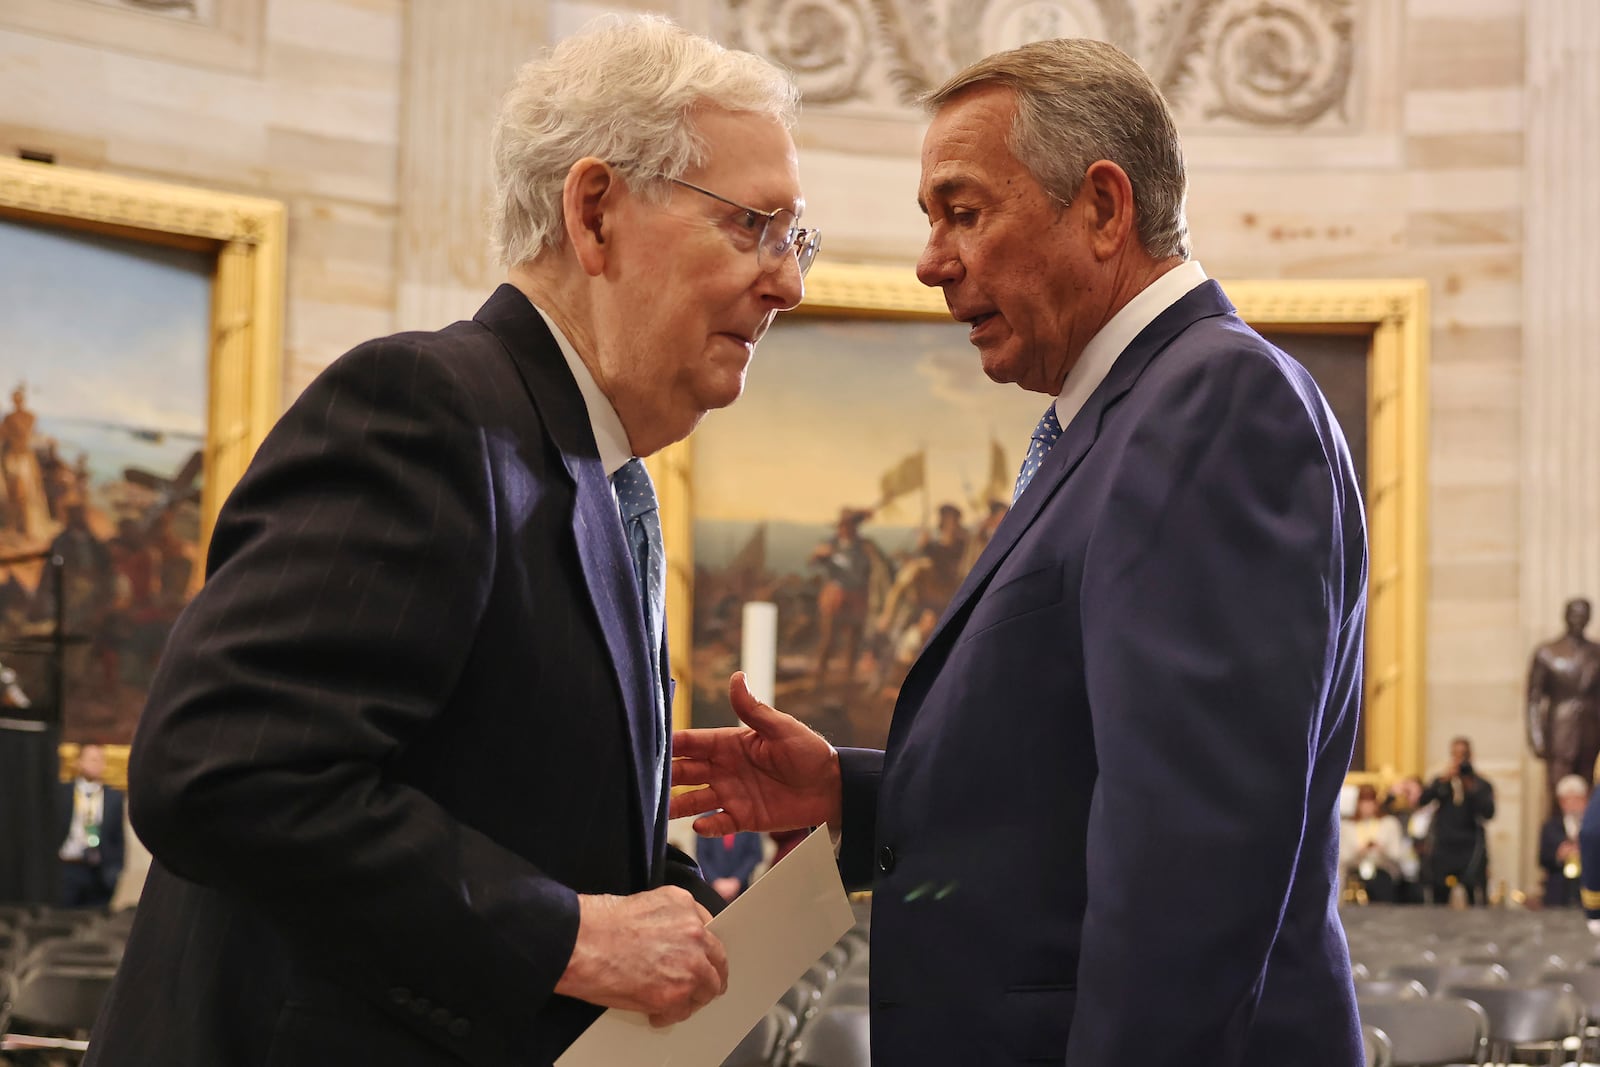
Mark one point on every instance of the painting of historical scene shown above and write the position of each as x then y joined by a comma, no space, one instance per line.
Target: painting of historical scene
853,485
103,361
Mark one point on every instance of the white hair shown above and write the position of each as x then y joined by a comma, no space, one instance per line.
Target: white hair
1572,785
624,89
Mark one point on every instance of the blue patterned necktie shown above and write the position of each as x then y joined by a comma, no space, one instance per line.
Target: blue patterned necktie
641,521
1044,436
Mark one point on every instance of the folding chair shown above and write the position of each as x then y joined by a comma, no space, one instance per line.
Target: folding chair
756,1047
1391,987
61,999
1585,982
1530,1018
72,952
1429,1032
836,1038
1378,1048
1436,976
803,998
847,994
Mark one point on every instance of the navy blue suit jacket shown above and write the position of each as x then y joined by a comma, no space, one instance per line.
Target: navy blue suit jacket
1106,826
1559,890
408,718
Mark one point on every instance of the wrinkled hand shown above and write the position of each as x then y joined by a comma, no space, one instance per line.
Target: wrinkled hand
650,953
727,888
772,773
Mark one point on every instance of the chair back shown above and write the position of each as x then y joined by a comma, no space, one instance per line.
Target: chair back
1585,982
1391,987
755,1049
1379,1050
61,998
1436,976
839,1037
1428,1032
1530,1014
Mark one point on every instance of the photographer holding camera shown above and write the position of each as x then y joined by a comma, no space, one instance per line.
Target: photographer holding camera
1457,847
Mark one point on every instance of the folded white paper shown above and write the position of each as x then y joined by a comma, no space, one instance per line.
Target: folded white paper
778,928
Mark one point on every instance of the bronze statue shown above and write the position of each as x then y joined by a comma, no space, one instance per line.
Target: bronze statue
1564,701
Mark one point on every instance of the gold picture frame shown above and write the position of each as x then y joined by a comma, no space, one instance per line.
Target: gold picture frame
247,237
1391,313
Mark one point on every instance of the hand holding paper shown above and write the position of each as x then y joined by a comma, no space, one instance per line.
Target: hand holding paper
778,928
649,953
772,773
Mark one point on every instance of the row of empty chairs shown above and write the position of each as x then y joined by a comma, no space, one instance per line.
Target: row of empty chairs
55,968
1438,986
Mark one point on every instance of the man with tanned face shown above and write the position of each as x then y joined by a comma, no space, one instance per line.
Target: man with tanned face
1153,667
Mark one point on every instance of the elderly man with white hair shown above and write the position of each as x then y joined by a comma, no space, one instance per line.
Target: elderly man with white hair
1559,853
404,764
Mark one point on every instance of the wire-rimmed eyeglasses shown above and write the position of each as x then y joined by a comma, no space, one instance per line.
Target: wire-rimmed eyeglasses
777,232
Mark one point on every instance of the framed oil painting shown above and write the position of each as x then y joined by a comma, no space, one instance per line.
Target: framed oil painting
140,363
869,460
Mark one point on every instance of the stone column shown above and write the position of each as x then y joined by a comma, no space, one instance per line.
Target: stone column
1561,326
457,66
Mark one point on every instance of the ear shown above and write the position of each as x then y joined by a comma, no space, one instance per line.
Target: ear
587,197
1107,196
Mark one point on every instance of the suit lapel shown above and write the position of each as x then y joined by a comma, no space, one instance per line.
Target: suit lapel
1204,301
602,545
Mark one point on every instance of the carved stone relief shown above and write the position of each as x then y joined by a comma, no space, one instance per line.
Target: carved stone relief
1284,64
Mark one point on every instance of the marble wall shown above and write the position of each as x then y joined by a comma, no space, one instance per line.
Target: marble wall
1431,160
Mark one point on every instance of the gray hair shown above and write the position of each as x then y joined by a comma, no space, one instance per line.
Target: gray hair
1572,785
1079,101
623,89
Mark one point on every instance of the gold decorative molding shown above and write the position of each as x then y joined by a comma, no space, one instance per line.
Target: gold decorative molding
246,235
1392,313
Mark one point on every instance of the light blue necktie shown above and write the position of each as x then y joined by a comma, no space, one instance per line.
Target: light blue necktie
1044,437
641,521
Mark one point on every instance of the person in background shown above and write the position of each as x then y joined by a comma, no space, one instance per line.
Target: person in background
404,763
1404,801
729,861
1458,848
1560,850
89,819
1373,849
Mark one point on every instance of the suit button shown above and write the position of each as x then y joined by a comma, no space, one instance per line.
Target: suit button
400,995
885,859
440,1017
460,1028
420,1006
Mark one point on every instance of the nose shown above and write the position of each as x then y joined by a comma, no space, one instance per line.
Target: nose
938,265
785,287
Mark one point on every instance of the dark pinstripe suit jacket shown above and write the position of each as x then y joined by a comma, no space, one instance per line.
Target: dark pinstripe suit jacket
407,719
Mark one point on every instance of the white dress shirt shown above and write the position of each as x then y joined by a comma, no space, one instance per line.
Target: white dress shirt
609,436
1104,347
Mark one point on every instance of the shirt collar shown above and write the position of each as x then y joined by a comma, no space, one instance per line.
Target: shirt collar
1104,347
609,436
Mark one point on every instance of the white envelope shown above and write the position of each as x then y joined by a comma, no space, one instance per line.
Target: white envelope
778,928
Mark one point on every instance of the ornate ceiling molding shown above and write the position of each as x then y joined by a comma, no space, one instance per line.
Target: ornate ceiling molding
1285,64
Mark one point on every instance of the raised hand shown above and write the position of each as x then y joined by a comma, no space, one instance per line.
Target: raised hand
772,773
650,953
